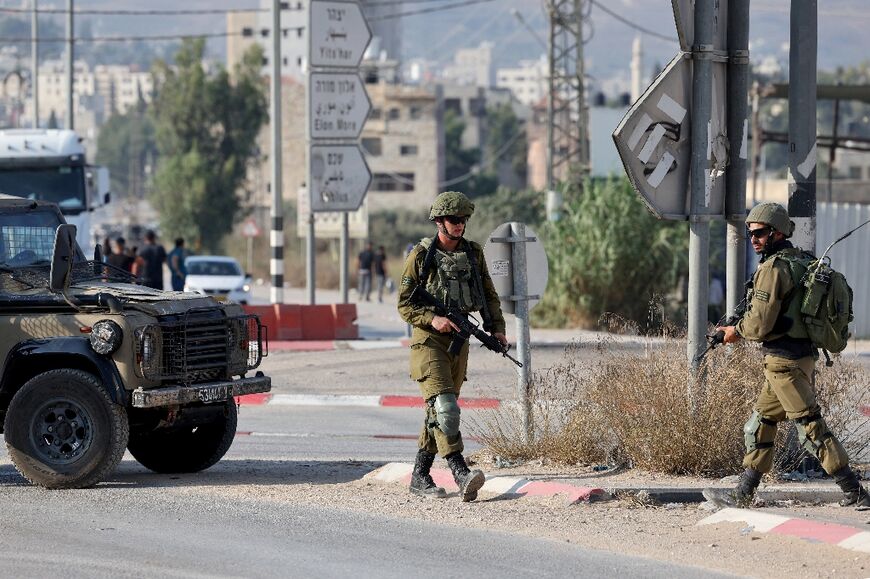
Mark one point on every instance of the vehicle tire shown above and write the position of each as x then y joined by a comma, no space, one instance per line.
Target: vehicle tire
186,449
63,431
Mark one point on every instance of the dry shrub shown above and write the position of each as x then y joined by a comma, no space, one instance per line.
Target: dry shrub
623,404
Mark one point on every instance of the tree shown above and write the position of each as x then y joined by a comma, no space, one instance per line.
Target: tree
206,128
126,147
506,143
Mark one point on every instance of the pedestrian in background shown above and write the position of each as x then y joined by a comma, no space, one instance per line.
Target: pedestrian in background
137,266
453,270
154,257
119,257
380,268
364,263
177,269
789,366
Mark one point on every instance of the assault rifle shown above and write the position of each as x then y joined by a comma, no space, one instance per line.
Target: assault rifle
466,327
717,338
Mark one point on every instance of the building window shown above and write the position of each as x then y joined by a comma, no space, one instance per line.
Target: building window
477,107
855,172
375,114
415,113
394,114
372,146
453,105
392,182
408,150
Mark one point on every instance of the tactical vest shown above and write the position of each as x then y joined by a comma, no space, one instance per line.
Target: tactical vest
451,280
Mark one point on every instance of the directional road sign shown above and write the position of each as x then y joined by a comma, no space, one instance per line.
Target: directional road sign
338,34
340,177
339,105
654,143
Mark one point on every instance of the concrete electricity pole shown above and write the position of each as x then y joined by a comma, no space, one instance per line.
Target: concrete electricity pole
276,235
802,122
567,126
70,72
34,62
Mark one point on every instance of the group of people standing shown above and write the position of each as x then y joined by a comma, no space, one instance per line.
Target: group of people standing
147,263
371,264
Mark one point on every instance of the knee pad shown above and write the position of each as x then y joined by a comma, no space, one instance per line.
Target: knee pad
752,430
812,433
447,411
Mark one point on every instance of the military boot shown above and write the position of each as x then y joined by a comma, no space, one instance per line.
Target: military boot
468,481
856,495
421,481
740,496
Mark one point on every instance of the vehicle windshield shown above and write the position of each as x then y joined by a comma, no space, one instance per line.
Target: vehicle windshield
202,267
27,238
62,185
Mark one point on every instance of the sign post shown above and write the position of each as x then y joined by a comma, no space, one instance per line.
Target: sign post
517,264
337,108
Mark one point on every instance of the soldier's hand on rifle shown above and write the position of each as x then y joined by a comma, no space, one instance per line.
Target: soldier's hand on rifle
443,325
501,338
731,335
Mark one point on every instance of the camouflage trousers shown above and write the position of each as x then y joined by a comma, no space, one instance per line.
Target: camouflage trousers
437,371
788,394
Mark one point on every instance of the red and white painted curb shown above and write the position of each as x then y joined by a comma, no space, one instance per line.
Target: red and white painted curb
354,400
400,472
326,345
830,533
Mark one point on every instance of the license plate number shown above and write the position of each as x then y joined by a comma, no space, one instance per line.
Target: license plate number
213,393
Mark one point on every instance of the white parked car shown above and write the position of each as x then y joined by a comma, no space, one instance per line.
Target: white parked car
220,276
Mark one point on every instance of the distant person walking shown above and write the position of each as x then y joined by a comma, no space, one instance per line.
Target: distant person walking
380,269
154,256
175,260
119,257
366,259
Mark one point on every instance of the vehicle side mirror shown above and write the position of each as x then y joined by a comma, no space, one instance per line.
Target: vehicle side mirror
62,256
248,276
107,197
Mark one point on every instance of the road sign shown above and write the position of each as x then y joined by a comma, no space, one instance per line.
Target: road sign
684,16
250,228
338,34
339,105
339,178
328,224
654,143
499,261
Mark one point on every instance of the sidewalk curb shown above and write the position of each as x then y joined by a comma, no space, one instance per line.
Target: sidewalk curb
393,401
500,486
328,345
833,534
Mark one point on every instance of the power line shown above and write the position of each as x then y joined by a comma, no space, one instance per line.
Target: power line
628,22
135,12
428,10
161,37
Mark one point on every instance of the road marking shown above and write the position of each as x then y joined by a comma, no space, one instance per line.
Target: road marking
324,400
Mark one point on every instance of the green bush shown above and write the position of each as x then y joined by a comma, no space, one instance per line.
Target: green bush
607,253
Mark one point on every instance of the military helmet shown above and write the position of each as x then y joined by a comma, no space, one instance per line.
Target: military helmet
451,203
772,214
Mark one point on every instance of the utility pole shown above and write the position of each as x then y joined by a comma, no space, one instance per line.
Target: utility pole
34,61
567,126
735,177
802,122
70,72
276,235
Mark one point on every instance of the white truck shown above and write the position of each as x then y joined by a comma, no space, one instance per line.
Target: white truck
49,165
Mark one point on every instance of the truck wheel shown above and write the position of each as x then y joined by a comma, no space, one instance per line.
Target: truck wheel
186,449
63,431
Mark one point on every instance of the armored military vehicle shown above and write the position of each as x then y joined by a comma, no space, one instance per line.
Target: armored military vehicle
93,363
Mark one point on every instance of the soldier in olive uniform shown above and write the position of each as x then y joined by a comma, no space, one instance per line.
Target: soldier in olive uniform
773,318
453,270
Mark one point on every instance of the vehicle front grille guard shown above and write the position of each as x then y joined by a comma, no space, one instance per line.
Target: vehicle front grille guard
202,345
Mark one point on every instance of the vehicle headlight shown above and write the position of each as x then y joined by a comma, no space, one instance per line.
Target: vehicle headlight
106,337
148,351
245,287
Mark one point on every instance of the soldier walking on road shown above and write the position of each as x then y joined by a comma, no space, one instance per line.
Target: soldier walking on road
773,318
452,269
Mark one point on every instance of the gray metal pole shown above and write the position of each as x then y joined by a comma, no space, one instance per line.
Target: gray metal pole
802,122
520,295
276,236
342,257
699,226
34,62
554,197
70,57
735,178
310,273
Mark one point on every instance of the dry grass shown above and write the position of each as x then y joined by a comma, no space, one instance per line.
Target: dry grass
606,403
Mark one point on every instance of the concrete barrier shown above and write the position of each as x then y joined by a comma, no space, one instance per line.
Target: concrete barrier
299,322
